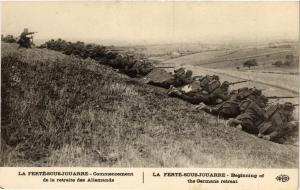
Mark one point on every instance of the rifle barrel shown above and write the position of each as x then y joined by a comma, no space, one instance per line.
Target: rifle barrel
233,83
165,67
278,97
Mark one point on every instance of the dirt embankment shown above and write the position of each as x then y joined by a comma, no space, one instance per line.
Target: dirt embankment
59,110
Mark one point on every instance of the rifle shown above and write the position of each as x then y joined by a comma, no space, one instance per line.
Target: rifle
233,83
165,67
278,97
31,33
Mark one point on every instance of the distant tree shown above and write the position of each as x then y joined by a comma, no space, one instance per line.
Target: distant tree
278,63
250,63
237,68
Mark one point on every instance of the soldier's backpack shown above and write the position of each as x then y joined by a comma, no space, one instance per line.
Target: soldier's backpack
274,121
159,77
229,109
213,85
204,82
243,93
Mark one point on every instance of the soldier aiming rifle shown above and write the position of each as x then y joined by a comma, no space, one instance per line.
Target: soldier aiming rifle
26,39
238,82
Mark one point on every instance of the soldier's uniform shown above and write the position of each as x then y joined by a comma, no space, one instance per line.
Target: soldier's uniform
197,84
230,108
182,77
278,123
250,115
219,94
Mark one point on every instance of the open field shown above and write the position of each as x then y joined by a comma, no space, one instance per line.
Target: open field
230,59
59,110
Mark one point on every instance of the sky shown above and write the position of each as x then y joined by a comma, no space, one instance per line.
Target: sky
153,22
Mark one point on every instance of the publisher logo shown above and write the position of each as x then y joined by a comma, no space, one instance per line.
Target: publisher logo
282,178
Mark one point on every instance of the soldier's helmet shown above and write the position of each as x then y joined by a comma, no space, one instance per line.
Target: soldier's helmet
215,77
225,84
288,106
188,73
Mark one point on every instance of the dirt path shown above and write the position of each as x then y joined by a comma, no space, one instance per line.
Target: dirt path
220,58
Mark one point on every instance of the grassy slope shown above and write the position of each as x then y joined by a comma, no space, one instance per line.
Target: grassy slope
58,110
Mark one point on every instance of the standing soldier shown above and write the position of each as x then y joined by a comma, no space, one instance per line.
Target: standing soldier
24,40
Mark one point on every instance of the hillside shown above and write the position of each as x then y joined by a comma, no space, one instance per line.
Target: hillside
59,110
